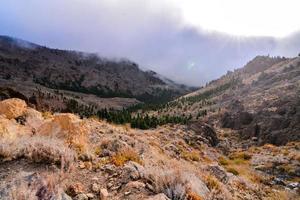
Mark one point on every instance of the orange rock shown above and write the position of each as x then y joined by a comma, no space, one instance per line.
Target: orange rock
12,108
75,189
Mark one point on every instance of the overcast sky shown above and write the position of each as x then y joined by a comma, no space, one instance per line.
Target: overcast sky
190,41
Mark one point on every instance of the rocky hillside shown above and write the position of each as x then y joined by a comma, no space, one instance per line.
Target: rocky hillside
40,72
260,101
45,156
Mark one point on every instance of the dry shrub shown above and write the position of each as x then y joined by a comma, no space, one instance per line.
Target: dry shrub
37,187
232,170
282,195
212,182
223,161
173,183
192,155
240,155
69,128
47,115
125,155
193,196
38,149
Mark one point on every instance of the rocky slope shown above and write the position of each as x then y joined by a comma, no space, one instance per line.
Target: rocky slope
39,72
260,101
46,156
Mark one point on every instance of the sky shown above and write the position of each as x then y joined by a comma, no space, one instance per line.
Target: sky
189,41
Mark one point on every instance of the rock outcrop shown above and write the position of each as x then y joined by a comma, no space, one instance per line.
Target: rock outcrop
13,108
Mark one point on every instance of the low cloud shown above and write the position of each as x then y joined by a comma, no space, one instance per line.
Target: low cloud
151,33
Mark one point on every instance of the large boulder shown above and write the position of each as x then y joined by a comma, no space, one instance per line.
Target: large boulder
13,108
68,127
202,133
34,119
236,120
10,129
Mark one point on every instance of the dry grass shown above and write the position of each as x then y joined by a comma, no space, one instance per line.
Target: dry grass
232,170
212,182
38,149
125,155
191,155
175,184
223,161
193,196
240,156
47,115
44,186
282,195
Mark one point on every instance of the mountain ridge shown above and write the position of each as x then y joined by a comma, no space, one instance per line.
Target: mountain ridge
86,73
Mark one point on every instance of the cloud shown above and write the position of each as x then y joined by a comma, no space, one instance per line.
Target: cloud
152,33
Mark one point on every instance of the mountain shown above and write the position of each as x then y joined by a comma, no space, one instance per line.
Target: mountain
33,69
239,140
260,100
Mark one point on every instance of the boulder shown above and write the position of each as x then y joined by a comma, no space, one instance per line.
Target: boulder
66,126
103,194
81,197
203,132
13,108
75,189
10,129
34,118
219,173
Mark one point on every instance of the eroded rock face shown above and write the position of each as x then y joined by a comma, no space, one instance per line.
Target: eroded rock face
66,126
10,129
13,108
204,133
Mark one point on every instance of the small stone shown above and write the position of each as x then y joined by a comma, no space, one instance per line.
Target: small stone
127,193
75,189
81,197
64,196
88,165
103,194
293,185
109,185
95,179
95,187
90,195
81,165
135,184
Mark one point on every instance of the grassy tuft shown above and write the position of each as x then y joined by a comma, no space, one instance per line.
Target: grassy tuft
125,155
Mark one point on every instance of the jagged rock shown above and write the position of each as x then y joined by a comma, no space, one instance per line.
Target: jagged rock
218,173
203,132
75,189
81,197
64,196
104,194
278,181
95,187
13,108
160,196
236,120
293,185
133,170
10,129
34,118
196,185
67,126
90,195
86,157
135,184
